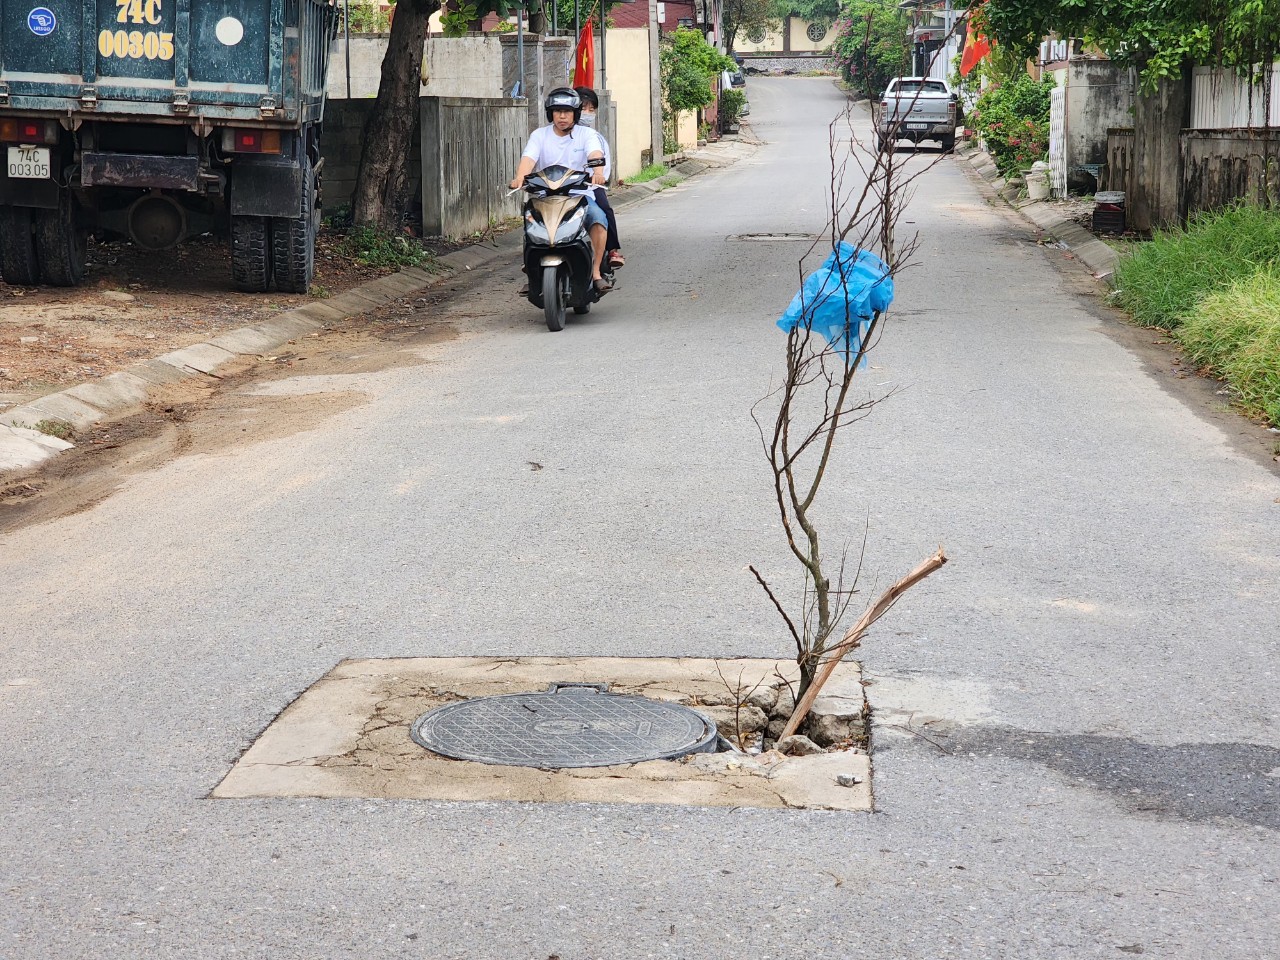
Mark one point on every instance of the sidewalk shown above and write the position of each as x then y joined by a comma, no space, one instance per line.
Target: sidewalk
1046,216
120,394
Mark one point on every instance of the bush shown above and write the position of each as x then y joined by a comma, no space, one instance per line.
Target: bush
871,54
373,248
1235,332
1163,280
1012,117
731,103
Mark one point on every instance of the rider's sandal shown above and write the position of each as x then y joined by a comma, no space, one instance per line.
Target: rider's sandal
603,286
616,260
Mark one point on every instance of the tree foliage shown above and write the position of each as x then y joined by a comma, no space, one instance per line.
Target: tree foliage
814,11
740,17
687,64
871,44
1159,37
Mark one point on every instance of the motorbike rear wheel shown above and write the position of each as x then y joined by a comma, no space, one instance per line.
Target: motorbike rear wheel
554,296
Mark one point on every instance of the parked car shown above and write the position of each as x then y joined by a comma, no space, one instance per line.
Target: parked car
916,109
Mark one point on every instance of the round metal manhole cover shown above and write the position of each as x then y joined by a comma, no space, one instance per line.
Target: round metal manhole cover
568,725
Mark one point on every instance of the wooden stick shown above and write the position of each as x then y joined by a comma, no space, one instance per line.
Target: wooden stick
854,637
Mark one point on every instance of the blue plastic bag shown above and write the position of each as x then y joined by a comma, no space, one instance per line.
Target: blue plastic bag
839,299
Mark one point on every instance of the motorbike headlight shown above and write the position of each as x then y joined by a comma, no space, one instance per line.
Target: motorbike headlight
571,225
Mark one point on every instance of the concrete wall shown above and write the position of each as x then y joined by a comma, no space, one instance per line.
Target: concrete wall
1222,166
468,66
341,143
547,65
627,58
470,149
791,36
687,129
1216,167
1099,97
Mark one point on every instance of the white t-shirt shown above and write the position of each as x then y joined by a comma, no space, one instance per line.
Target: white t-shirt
546,149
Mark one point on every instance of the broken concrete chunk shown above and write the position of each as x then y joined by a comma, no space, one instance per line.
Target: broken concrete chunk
798,746
731,721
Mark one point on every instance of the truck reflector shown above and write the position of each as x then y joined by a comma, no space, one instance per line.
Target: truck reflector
28,131
250,140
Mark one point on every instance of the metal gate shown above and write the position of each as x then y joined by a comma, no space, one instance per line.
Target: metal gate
1058,141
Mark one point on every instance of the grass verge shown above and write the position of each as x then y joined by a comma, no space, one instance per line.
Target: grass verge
652,172
1163,280
1235,334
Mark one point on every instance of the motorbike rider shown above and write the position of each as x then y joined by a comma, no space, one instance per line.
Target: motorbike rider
612,246
563,143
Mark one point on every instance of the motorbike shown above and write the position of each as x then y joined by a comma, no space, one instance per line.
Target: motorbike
557,244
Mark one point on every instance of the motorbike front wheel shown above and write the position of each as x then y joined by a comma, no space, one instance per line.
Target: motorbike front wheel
553,297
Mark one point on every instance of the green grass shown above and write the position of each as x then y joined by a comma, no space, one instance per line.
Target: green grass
56,428
375,249
1235,333
652,172
1162,281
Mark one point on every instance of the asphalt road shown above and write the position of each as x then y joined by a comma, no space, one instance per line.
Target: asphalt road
1077,752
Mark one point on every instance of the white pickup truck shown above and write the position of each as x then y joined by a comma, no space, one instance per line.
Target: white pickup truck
915,109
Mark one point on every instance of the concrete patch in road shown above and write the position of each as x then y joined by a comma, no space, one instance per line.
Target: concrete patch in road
348,736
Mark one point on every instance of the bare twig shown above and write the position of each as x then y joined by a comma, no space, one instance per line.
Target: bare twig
854,636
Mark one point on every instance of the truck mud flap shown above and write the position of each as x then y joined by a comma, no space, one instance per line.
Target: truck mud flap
266,189
140,170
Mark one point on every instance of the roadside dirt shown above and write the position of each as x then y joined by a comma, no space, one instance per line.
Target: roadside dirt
214,414
136,305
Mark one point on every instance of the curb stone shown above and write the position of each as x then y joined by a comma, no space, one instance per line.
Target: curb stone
1099,258
124,392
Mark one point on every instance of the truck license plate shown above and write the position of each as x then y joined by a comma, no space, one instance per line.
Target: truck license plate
29,163
917,126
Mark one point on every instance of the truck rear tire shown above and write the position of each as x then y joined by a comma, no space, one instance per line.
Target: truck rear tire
250,254
61,243
18,263
948,144
293,244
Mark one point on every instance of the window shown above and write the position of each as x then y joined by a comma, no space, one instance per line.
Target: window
816,32
915,86
756,34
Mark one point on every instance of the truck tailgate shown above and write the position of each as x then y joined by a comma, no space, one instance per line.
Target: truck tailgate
213,58
922,109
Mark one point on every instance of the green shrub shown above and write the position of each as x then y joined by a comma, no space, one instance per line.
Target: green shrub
376,249
1012,117
1235,333
1161,282
731,103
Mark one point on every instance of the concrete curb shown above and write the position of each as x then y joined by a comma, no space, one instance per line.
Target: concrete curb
1099,258
123,393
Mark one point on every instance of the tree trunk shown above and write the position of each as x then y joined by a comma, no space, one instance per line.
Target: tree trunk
382,185
1158,121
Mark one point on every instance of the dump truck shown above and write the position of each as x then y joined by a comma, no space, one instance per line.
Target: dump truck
160,120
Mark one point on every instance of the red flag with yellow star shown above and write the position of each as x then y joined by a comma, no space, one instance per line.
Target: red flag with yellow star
976,44
584,61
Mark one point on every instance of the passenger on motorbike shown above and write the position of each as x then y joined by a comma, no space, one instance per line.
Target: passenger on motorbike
612,246
563,143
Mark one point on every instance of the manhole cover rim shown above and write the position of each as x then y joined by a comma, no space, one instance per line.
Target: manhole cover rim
705,742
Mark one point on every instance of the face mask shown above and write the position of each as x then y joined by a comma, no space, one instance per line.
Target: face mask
587,120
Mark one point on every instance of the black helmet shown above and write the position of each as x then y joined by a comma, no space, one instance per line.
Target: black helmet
563,98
